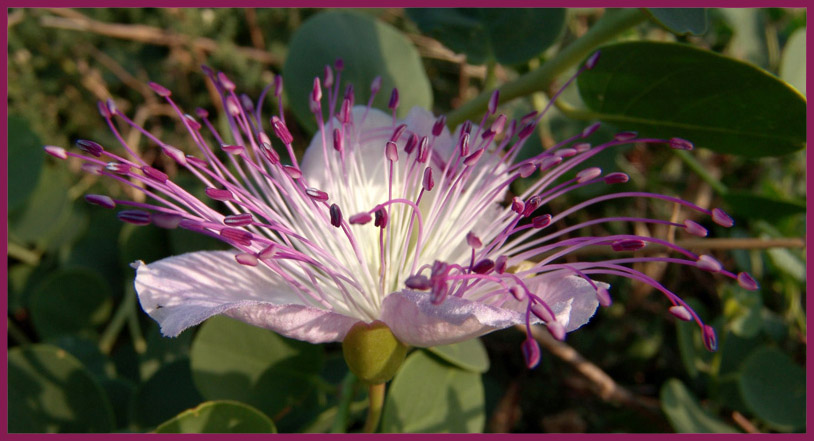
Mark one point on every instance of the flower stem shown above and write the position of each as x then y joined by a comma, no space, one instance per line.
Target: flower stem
346,394
610,25
374,412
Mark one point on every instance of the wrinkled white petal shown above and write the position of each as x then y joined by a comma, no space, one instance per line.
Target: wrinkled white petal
183,291
571,298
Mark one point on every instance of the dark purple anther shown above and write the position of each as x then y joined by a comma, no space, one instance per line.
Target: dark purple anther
473,240
500,264
394,99
428,182
566,152
418,282
747,282
339,64
526,170
616,178
246,259
381,218
344,113
328,76
423,150
550,162
166,220
531,352
710,339
118,168
111,107
103,109
207,70
588,174
292,172
680,144
316,92
135,217
100,200
463,143
338,141
438,127
391,151
270,154
246,102
281,131
708,263
591,62
483,267
91,147
349,95
527,130
603,296
681,313
541,221
238,220
154,174
202,113
226,82
531,205
232,149
466,127
219,194
360,219
412,142
493,101
397,132
376,85
278,85
336,215
474,157
242,237
628,245
439,292
529,117
518,206
56,152
625,136
542,312
588,131
316,194
438,269
721,218
159,89
694,228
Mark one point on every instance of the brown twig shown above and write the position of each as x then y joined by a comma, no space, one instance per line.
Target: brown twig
72,20
744,423
603,385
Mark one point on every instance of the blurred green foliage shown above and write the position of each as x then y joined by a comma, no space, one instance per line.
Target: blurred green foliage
83,358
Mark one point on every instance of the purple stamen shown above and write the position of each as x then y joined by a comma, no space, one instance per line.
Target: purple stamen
233,149
281,131
708,263
159,89
394,99
118,168
591,61
418,282
681,312
694,228
483,266
91,147
329,77
473,241
135,217
747,282
616,178
381,218
155,174
542,312
588,131
541,221
100,200
625,136
225,82
501,263
376,85
316,194
219,194
391,151
628,245
360,218
556,329
166,220
721,218
680,144
336,215
603,296
710,339
438,127
531,352
427,182
493,102
57,152
241,237
238,220
246,259
588,174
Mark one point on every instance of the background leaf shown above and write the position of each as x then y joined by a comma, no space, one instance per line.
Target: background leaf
70,301
681,21
761,207
167,392
793,62
684,412
716,102
470,355
508,36
219,417
774,387
368,47
428,395
25,158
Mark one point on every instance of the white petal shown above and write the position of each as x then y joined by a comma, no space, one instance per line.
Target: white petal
416,321
183,291
571,298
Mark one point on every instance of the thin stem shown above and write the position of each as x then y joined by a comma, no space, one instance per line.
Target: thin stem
120,317
610,25
23,254
346,393
374,412
702,172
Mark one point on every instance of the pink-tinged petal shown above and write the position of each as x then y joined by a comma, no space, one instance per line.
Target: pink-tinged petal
183,291
572,299
416,321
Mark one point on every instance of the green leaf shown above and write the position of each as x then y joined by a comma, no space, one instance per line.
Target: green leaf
684,412
162,350
70,301
87,352
368,47
235,361
50,391
46,208
793,61
428,395
25,158
470,355
505,35
169,391
142,243
680,21
774,387
219,417
671,90
742,311
762,207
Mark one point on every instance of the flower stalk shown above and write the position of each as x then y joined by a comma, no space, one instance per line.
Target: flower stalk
374,412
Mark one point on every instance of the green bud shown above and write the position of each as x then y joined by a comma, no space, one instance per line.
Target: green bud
372,352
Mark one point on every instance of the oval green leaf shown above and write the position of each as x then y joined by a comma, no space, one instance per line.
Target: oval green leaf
368,47
235,361
470,355
793,61
505,35
774,387
168,392
755,206
684,412
680,21
47,207
219,417
71,301
50,391
25,156
428,395
671,90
